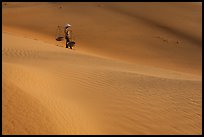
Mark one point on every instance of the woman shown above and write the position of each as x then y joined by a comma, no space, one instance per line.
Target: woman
66,31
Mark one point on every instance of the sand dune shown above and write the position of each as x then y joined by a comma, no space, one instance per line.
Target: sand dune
135,70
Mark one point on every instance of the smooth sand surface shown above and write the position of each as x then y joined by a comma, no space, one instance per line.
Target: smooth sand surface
136,69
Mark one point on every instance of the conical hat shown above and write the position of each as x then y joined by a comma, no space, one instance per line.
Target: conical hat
67,26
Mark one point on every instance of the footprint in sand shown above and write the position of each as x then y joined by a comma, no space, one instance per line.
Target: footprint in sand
162,38
100,5
5,3
167,40
177,42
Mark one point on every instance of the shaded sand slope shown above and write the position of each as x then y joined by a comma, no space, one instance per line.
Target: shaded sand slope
47,89
21,112
165,35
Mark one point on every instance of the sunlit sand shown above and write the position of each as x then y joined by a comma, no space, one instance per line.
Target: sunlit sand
135,69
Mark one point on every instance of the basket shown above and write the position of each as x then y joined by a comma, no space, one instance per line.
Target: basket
59,38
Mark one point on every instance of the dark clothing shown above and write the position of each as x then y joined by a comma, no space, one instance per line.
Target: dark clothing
67,37
69,43
67,40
